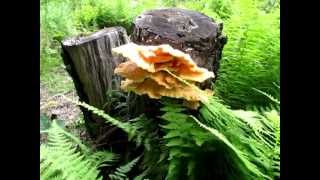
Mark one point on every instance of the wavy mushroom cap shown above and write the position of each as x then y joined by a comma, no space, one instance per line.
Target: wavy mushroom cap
164,57
156,91
132,72
162,71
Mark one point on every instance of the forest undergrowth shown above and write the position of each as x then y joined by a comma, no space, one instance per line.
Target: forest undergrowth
247,98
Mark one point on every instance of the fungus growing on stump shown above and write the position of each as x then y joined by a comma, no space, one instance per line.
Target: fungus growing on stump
162,71
89,61
189,31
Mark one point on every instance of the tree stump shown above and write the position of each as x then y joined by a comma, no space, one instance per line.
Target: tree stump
89,60
90,63
189,31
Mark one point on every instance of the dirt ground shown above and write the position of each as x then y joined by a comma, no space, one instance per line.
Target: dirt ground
57,106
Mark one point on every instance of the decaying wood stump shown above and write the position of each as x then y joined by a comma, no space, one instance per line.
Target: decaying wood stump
90,63
189,31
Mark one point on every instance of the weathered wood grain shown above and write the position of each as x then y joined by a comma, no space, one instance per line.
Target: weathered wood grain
90,63
190,31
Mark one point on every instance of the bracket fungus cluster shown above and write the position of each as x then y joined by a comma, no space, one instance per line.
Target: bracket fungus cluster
162,71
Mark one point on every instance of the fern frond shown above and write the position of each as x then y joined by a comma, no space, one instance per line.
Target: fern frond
240,143
241,155
144,132
103,158
251,132
120,172
268,95
122,125
153,162
65,157
191,147
274,118
251,58
263,130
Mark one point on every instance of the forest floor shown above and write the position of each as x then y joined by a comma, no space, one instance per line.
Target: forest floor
53,104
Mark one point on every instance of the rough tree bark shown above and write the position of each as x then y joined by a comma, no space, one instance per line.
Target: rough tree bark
190,31
90,63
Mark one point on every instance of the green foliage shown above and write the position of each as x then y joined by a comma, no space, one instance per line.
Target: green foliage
187,144
125,126
220,143
222,7
268,96
216,9
56,22
252,132
120,172
44,123
251,56
102,13
154,162
66,157
217,142
64,18
144,132
131,127
237,144
268,5
55,79
121,105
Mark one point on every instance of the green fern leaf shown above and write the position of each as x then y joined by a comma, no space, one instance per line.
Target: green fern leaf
66,157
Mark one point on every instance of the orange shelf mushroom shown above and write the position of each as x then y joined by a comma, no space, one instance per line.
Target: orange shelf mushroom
157,58
162,71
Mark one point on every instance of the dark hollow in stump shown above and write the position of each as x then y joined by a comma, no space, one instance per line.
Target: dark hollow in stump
189,31
90,63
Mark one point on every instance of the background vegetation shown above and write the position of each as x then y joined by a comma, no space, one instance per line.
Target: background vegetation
249,79
250,58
